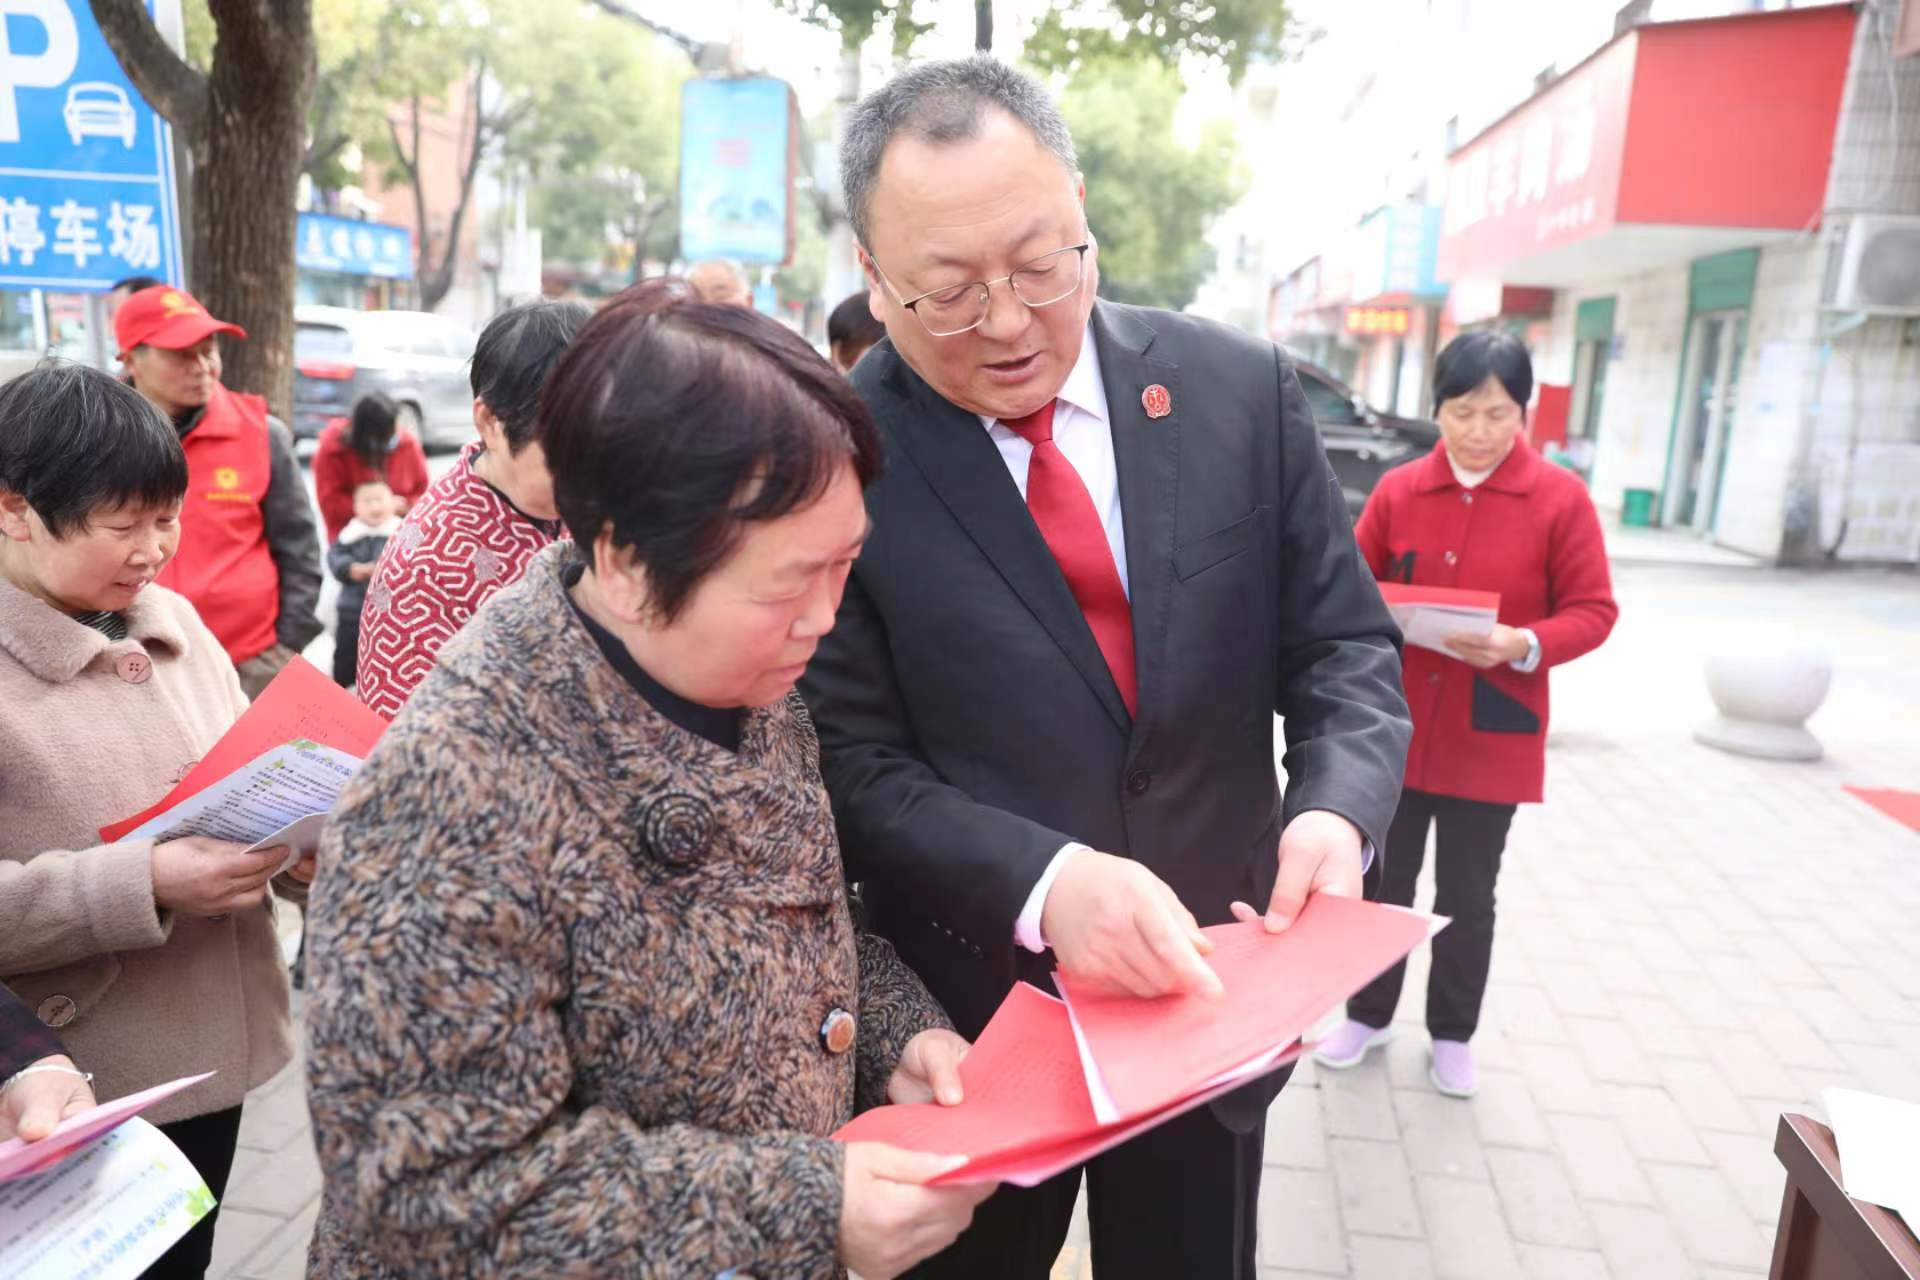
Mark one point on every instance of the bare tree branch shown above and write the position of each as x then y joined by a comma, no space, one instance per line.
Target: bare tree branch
410,166
476,151
163,78
621,10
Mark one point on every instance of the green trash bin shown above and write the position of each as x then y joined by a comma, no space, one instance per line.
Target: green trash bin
1636,508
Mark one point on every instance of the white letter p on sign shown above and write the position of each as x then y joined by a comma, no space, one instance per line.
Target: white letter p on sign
47,69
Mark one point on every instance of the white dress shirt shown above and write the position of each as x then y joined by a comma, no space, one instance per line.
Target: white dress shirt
1083,431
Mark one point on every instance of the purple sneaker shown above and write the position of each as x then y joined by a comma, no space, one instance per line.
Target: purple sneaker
1453,1071
1349,1043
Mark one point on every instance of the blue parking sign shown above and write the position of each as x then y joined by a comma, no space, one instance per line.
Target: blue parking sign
86,166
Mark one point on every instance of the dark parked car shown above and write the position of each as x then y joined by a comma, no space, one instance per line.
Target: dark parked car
418,358
1362,442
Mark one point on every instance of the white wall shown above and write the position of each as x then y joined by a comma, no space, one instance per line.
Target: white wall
1851,483
1636,418
1777,392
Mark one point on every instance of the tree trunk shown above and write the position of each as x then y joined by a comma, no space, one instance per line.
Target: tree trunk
245,184
244,124
983,25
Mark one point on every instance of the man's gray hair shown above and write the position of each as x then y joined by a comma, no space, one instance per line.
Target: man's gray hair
942,102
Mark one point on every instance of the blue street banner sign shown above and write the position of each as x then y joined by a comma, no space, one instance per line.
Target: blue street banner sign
86,166
341,245
739,146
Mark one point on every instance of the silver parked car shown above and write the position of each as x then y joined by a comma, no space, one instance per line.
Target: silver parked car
416,357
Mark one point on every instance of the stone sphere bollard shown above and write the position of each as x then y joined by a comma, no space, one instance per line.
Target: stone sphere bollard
1764,700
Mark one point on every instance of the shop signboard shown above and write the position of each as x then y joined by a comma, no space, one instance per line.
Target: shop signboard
346,247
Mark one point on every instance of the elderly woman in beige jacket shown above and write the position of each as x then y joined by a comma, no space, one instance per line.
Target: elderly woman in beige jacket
153,961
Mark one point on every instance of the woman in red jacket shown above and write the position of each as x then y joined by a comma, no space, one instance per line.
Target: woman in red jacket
1483,512
368,446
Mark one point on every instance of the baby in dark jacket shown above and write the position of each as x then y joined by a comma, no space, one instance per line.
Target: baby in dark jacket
376,517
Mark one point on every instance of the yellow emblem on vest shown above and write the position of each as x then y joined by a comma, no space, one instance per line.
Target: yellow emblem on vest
226,478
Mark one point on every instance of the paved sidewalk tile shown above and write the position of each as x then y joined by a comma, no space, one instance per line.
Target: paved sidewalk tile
1539,1262
1640,1243
1297,1130
1464,1227
1438,1134
1708,1217
1376,1189
1300,1225
1358,1103
1383,1257
1504,1113
1539,1200
1599,1161
1656,1128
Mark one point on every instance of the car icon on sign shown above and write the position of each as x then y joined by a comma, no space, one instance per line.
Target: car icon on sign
96,109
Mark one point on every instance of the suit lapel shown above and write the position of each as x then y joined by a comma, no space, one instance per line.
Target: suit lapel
965,469
1146,452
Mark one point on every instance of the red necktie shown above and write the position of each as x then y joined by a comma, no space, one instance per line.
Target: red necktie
1058,500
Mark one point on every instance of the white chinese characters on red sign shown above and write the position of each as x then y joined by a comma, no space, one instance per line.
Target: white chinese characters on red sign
1530,169
1546,176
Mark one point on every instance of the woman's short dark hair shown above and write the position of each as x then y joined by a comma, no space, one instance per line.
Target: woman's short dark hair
852,324
672,424
370,429
1470,359
74,441
511,361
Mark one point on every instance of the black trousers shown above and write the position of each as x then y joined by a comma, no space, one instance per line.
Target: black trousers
1471,837
208,1142
346,647
1178,1201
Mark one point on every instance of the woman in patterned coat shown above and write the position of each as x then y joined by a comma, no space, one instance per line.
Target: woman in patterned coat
586,997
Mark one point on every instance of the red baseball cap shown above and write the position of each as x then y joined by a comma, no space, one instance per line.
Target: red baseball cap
166,317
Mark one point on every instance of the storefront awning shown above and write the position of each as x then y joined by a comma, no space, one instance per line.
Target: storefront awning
1674,141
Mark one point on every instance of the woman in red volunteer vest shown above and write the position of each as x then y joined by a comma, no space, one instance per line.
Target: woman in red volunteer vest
1482,512
249,555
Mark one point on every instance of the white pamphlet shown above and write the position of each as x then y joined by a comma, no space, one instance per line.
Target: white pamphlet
105,1213
282,797
1429,625
1877,1138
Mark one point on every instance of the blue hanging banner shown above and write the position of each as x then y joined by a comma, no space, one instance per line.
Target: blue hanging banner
739,142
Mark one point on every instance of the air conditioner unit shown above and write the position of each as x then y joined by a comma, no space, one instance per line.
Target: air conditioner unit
1875,267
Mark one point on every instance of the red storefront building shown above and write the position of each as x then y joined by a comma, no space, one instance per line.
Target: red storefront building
1709,234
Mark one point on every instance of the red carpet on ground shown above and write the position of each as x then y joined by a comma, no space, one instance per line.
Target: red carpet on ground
1901,806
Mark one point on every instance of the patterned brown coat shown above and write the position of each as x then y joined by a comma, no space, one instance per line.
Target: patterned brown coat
569,966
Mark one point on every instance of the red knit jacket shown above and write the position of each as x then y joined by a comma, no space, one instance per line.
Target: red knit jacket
1529,532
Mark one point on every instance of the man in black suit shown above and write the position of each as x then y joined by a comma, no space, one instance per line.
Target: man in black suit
1107,549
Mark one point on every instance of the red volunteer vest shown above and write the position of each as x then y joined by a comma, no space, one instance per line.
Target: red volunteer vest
224,565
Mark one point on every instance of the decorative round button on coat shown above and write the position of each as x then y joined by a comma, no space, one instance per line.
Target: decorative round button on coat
134,668
57,1011
836,1033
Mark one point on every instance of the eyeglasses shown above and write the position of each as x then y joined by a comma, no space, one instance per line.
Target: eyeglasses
961,308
